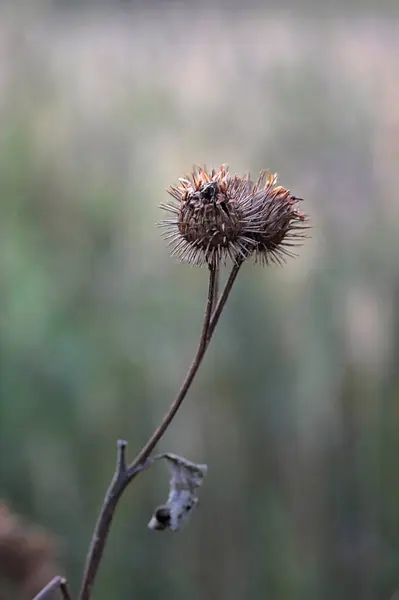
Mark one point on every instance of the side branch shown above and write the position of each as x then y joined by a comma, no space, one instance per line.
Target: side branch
65,590
56,583
122,477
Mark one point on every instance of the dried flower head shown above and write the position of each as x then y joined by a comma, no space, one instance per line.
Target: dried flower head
282,224
217,216
213,217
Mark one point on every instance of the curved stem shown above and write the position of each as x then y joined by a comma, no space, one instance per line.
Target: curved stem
56,583
64,589
47,591
202,346
125,474
122,477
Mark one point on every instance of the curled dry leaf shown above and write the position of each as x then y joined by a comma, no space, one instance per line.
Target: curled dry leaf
186,478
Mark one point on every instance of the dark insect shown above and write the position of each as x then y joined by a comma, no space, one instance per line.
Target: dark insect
211,193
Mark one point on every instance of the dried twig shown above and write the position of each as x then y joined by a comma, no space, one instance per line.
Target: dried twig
65,590
214,216
56,583
158,433
124,475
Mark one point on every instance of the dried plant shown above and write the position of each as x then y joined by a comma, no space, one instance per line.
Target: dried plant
186,477
27,555
216,218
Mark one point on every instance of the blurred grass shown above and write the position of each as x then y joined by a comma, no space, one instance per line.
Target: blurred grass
296,407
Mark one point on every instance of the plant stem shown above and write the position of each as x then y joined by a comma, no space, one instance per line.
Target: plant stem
123,474
64,589
202,346
216,291
210,322
223,299
122,477
56,583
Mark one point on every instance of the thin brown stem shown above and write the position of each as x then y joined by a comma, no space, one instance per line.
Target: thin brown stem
125,474
216,291
223,299
65,590
202,346
122,477
56,583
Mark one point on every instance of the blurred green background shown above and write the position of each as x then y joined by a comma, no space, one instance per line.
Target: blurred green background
296,407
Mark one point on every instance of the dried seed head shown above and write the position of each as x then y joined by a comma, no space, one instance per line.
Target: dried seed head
217,216
212,217
281,224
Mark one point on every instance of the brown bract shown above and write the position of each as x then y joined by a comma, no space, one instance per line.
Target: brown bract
219,216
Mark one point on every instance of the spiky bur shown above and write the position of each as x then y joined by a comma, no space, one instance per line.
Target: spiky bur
219,216
282,224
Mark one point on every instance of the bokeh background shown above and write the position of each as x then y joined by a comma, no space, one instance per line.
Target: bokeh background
296,407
